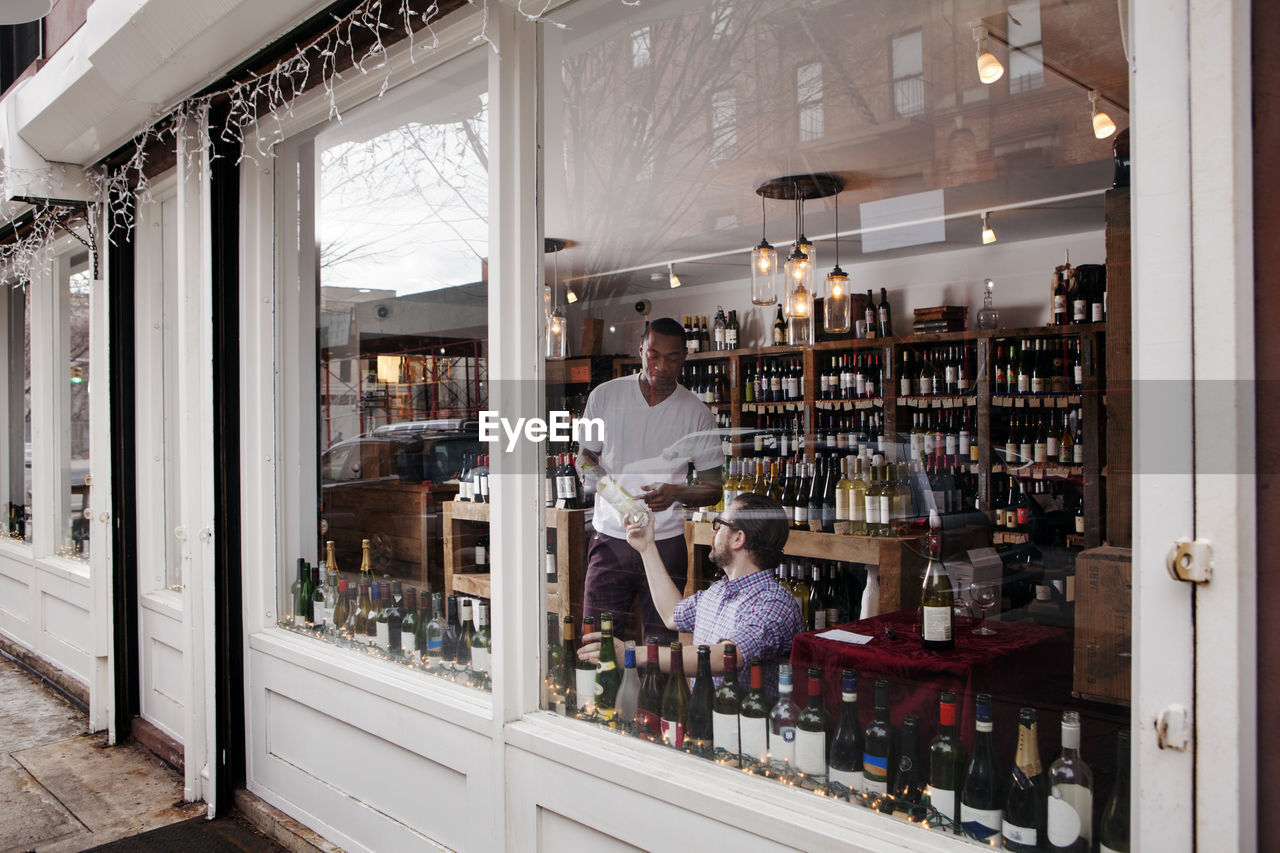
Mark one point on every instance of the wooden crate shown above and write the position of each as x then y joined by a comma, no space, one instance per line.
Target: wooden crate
1103,629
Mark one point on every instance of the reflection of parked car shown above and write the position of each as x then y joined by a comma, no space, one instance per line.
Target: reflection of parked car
387,486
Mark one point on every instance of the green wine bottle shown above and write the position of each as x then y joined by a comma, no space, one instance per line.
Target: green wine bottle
608,676
982,800
649,706
675,701
726,705
1113,835
909,781
879,746
753,717
700,729
845,763
946,761
812,730
1024,807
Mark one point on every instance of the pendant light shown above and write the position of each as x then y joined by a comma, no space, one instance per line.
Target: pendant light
799,274
989,67
1103,126
837,303
557,324
672,278
764,268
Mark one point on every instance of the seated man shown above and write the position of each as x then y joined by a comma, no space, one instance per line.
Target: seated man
747,607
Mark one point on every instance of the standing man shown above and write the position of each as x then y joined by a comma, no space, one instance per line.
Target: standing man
653,427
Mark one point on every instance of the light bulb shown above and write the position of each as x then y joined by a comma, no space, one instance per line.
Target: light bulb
836,290
555,324
1103,126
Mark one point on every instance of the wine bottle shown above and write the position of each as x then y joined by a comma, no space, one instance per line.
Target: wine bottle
319,618
982,799
812,729
341,613
366,562
1113,834
937,618
649,704
1070,803
567,682
435,632
779,329
409,625
726,704
879,746
629,690
395,620
946,761
1024,809
452,631
301,593
845,762
858,500
363,607
782,721
871,316
462,654
608,677
753,717
585,672
885,315
700,729
675,701
481,660
909,781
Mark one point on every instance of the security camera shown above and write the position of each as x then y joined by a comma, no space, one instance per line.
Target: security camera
382,311
642,307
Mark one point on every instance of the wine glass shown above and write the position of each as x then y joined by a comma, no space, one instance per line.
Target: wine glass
985,596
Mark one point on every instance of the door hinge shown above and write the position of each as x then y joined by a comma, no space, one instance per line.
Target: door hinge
1173,728
1190,560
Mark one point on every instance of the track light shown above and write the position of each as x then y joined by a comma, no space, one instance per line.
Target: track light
1103,126
989,67
570,296
672,278
988,233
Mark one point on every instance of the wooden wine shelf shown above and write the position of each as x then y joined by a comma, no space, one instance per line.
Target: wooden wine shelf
562,598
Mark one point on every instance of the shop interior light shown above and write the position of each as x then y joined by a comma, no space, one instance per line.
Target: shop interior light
1103,126
988,233
570,295
837,303
990,68
764,268
672,278
557,326
799,270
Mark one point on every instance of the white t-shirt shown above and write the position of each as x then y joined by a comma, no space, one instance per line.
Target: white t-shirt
646,444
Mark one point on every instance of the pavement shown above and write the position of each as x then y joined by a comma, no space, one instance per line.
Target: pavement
63,789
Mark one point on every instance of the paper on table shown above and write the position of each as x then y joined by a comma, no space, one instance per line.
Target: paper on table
845,637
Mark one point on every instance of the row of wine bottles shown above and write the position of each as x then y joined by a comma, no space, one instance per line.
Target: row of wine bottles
1026,808
473,479
723,334
1040,436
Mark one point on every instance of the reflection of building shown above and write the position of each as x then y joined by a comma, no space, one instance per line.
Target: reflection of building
223,365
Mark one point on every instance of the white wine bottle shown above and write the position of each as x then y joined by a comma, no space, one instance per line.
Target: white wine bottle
937,618
1070,812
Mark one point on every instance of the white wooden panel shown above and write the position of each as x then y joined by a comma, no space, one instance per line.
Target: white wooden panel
66,634
557,832
17,578
367,772
163,690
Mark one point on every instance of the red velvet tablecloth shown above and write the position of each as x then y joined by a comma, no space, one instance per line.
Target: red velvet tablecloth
1024,664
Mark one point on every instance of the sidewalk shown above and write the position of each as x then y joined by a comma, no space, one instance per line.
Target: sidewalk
64,790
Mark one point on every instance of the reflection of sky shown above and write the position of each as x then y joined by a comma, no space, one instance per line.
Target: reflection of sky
406,210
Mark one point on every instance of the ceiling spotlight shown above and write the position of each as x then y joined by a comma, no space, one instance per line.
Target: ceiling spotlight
570,296
1103,126
989,68
988,233
672,278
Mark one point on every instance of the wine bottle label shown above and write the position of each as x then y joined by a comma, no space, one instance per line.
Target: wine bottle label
1037,385
383,638
857,507
1052,445
981,823
673,733
926,385
479,659
1097,312
936,624
944,800
585,685
1079,524
549,563
917,445
1079,310
973,453
1023,515
482,556
724,731
963,445
904,386
952,445
842,504
754,734
833,616
819,619
872,509
1070,814
1024,383
731,339
949,374
811,753
1041,452
884,514
1026,450
1059,304
1019,834
800,515
435,647
1010,451
782,745
1077,454
875,773
321,615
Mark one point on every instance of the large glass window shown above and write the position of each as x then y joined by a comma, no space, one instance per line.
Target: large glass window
18,404
394,247
76,482
898,484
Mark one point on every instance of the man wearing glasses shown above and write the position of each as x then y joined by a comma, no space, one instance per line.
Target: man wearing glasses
653,427
747,607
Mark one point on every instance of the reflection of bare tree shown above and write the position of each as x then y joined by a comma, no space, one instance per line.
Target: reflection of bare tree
394,184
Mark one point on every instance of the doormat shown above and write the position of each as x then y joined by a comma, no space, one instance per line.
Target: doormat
223,835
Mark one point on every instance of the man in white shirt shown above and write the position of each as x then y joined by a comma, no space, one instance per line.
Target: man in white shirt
653,427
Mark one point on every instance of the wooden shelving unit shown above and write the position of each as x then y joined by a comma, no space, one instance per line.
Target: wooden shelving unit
461,519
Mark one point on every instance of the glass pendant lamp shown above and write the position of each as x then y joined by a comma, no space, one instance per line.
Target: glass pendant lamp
799,282
557,324
764,268
837,304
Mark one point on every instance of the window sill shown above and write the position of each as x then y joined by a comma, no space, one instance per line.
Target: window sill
753,804
71,570
16,549
451,703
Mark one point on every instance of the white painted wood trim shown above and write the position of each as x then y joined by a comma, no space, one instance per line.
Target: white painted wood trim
1226,453
101,525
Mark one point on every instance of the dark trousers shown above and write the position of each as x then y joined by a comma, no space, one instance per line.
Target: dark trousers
616,578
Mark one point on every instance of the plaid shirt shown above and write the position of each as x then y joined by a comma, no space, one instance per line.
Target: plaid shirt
754,613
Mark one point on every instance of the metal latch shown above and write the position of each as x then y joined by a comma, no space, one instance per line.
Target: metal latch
1173,728
1190,560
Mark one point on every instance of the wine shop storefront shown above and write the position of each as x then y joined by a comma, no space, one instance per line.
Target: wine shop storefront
368,336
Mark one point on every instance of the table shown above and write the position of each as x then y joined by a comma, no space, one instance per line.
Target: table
1024,664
